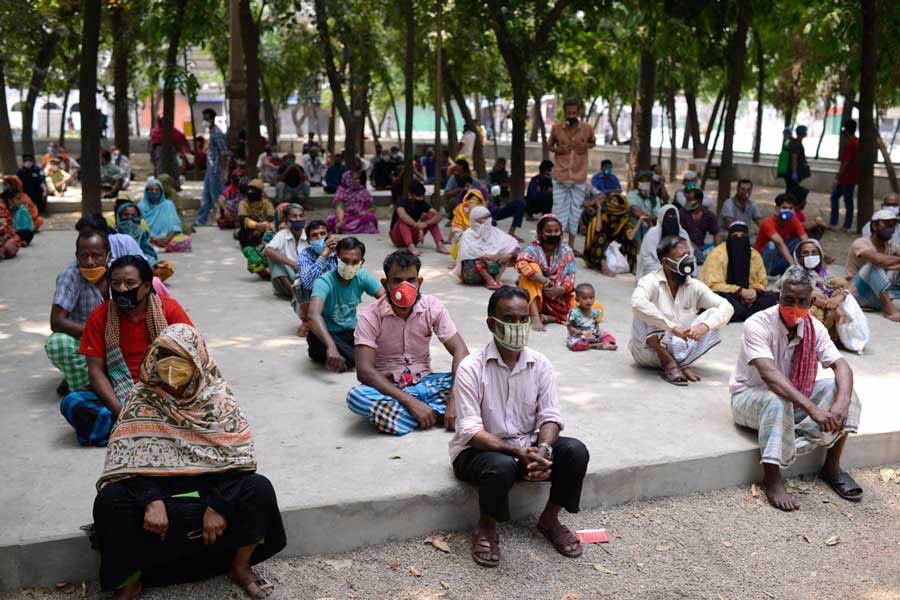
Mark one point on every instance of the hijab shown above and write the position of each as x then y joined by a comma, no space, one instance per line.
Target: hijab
738,248
131,227
161,216
483,239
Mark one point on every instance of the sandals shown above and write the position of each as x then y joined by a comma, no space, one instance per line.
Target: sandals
482,554
561,537
674,376
844,486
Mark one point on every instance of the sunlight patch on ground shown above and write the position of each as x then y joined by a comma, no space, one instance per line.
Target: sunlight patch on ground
36,328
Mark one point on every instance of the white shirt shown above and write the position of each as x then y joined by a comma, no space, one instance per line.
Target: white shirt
261,162
652,302
314,169
284,242
468,144
766,336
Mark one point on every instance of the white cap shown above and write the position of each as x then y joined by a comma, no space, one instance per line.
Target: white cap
689,175
884,215
495,190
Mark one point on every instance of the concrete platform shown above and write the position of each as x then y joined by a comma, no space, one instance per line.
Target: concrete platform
340,485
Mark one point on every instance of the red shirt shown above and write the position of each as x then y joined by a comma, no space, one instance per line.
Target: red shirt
132,335
850,155
772,225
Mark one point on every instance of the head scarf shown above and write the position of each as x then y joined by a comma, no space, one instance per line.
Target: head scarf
483,239
819,273
134,230
738,248
354,196
614,219
168,183
669,223
462,212
161,217
158,434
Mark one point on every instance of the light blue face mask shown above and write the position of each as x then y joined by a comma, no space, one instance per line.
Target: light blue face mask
607,171
154,196
318,246
690,185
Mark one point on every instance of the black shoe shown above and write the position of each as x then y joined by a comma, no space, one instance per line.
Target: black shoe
63,388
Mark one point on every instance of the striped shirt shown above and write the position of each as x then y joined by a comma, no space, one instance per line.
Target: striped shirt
218,149
310,265
76,294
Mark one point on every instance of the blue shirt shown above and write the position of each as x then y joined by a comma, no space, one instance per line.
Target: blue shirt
311,265
217,150
340,300
606,183
76,295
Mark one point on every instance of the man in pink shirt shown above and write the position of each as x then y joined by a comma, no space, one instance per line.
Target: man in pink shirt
393,361
508,425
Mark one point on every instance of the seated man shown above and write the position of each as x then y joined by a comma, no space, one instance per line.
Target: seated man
642,203
671,335
778,235
314,260
891,203
399,392
383,171
115,337
735,271
283,251
740,208
539,198
80,288
873,264
774,390
499,176
313,165
332,307
334,173
414,216
699,222
291,183
689,182
267,165
112,178
508,424
121,161
605,180
57,180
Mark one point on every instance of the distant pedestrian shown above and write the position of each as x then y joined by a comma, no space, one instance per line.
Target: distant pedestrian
799,167
216,160
847,176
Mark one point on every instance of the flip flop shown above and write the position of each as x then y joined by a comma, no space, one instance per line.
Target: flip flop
844,486
478,549
561,536
674,376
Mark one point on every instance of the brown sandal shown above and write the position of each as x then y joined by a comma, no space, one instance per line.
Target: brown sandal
478,549
561,537
674,376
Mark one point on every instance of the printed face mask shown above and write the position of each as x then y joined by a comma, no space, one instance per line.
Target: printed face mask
511,335
404,295
792,314
175,371
93,274
347,272
811,262
127,300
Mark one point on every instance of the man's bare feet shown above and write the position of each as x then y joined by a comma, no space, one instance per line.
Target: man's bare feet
690,374
776,493
607,272
442,249
413,250
255,586
894,316
608,346
128,592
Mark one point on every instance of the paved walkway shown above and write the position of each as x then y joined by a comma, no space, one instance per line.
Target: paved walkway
341,484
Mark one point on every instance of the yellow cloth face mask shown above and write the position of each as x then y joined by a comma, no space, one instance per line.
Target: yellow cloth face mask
175,371
93,274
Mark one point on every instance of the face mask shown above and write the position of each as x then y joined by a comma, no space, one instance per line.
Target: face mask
127,300
154,196
572,121
512,335
644,186
885,234
404,295
93,274
793,314
811,262
786,214
607,171
347,272
552,240
254,194
894,210
130,226
297,225
683,267
690,185
175,371
318,246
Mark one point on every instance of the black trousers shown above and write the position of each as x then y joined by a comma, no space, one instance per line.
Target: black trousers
494,473
342,339
742,312
128,552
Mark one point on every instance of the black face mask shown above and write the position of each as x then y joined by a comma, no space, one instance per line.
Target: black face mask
885,234
681,269
297,225
552,240
670,223
572,121
127,300
254,194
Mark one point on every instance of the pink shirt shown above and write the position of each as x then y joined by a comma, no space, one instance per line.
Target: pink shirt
765,336
402,344
511,404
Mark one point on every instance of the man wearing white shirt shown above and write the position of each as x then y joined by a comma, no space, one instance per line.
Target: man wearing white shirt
667,333
313,165
283,251
266,167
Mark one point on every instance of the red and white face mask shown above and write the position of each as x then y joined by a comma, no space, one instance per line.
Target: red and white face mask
404,295
793,314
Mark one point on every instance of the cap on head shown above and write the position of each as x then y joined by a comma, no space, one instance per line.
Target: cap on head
884,215
257,183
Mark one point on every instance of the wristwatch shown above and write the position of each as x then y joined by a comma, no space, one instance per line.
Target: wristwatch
549,450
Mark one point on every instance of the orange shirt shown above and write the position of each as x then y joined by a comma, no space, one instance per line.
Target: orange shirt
572,166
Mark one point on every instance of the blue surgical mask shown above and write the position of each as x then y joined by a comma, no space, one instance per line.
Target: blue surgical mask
607,171
786,214
690,185
318,246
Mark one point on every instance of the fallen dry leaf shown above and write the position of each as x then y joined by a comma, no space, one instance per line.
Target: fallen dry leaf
571,596
601,569
663,548
833,540
887,474
414,572
754,491
727,544
396,457
66,587
445,585
806,539
438,542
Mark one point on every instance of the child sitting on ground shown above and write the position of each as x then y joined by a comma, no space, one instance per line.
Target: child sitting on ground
583,324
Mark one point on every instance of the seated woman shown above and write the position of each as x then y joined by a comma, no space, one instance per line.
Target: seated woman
115,337
20,198
230,199
832,301
735,271
609,224
162,218
547,272
461,214
130,223
318,258
9,240
484,251
179,498
256,217
412,217
668,224
354,209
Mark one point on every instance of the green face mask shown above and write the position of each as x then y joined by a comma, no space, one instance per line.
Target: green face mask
512,335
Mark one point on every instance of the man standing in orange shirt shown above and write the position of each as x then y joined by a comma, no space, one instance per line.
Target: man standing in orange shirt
570,141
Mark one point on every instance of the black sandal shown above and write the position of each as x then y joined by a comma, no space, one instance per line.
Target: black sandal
674,376
844,486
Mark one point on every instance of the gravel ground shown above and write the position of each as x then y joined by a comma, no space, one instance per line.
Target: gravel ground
726,544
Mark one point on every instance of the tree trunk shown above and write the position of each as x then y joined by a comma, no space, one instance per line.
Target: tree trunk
846,114
641,154
62,118
888,164
539,116
137,119
789,112
331,119
867,132
8,162
519,118
673,133
828,100
688,121
712,154
270,113
710,126
614,124
120,62
495,126
41,62
250,45
169,157
438,52
535,117
735,79
409,89
374,129
298,122
760,92
478,150
450,119
334,80
396,113
91,11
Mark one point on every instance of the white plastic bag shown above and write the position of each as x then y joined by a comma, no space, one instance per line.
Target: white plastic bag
854,333
615,260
